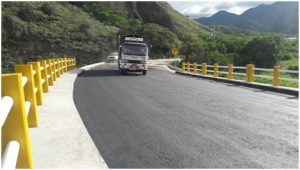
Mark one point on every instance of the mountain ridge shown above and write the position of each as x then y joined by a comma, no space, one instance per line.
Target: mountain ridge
279,17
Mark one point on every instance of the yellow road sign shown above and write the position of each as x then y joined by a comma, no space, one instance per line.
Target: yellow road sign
175,51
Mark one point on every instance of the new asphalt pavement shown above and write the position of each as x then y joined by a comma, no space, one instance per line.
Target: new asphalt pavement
165,120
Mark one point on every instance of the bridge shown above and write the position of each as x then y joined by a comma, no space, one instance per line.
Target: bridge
93,117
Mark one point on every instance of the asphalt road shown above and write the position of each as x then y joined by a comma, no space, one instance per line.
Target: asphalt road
165,120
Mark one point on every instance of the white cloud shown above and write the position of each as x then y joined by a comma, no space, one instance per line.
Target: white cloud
237,10
196,9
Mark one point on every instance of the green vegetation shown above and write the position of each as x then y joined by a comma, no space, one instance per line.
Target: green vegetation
234,31
88,30
161,45
34,30
286,83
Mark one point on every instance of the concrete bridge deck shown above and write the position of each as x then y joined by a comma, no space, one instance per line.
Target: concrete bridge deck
61,140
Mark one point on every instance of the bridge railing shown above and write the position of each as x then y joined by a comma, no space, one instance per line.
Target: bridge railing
249,72
21,93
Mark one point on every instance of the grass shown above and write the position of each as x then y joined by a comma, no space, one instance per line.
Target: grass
291,64
285,83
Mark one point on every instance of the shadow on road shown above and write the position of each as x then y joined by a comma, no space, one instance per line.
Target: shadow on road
105,73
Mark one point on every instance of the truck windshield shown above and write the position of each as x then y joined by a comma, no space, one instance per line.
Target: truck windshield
134,49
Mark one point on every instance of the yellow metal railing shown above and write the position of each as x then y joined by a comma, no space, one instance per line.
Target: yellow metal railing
22,91
249,74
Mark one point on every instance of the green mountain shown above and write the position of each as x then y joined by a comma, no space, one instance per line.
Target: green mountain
88,30
279,17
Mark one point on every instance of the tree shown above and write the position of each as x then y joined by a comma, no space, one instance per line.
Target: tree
261,51
195,50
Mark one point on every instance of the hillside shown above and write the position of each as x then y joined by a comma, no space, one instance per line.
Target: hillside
36,30
279,17
88,30
234,31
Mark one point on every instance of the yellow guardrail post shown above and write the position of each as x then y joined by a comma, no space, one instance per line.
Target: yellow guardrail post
276,76
65,64
216,70
37,82
230,71
44,75
247,72
183,66
29,93
60,67
250,73
71,63
54,69
188,67
195,67
204,69
16,125
57,68
49,72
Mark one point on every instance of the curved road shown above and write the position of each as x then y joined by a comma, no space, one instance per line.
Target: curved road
164,120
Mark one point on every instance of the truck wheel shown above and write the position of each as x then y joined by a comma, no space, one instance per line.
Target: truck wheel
145,72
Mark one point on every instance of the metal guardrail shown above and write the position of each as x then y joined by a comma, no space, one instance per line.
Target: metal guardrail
21,93
249,71
6,103
10,155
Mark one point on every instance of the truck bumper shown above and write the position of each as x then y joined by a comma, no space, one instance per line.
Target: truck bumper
133,67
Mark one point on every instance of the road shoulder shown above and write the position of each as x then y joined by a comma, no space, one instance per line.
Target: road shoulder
61,140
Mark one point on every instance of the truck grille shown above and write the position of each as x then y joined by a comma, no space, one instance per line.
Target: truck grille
133,61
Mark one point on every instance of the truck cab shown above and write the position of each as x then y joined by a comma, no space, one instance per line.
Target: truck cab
133,54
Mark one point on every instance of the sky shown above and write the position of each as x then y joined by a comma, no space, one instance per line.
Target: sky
196,9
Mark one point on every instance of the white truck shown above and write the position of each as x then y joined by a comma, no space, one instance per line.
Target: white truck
133,54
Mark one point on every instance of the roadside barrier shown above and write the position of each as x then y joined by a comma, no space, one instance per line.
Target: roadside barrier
21,93
249,74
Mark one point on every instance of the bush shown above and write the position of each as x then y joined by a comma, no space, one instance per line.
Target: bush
261,51
195,50
287,57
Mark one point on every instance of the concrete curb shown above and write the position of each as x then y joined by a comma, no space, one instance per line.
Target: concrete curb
266,87
173,68
88,67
